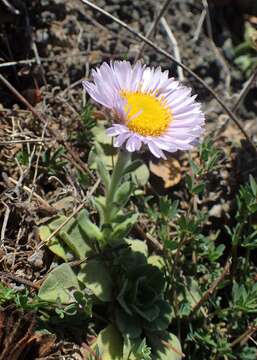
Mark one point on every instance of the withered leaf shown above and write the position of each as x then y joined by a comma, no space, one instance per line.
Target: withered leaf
168,170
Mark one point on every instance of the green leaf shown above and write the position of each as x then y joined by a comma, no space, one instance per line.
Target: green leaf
153,276
123,193
121,298
103,172
128,325
109,344
194,167
166,346
137,246
99,203
149,314
253,185
136,254
54,224
198,189
157,261
164,318
141,175
58,284
250,241
95,276
106,152
100,135
101,167
54,244
78,234
132,167
136,349
192,292
122,229
189,182
91,231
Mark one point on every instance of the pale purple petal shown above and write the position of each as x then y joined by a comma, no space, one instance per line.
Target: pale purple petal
120,139
186,122
116,129
155,150
133,143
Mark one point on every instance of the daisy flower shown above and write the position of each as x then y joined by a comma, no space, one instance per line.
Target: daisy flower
149,108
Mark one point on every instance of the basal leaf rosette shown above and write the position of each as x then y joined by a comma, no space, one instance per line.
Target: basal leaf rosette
141,304
147,107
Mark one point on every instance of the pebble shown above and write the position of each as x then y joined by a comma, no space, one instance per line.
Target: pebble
36,259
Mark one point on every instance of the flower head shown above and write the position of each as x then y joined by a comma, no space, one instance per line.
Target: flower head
148,107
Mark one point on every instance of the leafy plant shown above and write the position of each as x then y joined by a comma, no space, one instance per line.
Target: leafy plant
143,295
53,161
246,52
85,136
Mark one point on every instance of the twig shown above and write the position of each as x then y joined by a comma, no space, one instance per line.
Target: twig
170,57
246,88
242,338
19,62
213,287
216,51
23,141
6,217
71,86
154,243
19,279
56,58
174,44
21,98
38,60
200,25
253,340
153,27
36,196
75,212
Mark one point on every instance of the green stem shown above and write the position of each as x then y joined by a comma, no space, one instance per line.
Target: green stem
247,260
121,163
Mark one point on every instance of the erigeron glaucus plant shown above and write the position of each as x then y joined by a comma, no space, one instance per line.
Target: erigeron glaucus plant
148,108
152,111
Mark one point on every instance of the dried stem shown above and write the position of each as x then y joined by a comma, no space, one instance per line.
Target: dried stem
153,27
213,287
242,338
174,44
32,193
245,90
18,279
24,141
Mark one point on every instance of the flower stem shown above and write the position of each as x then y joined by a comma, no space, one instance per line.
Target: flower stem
122,161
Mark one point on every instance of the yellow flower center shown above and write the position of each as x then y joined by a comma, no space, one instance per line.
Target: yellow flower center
147,114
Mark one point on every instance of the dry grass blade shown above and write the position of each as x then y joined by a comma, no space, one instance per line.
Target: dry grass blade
153,27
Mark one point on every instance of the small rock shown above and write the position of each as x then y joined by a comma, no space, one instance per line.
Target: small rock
216,211
36,259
